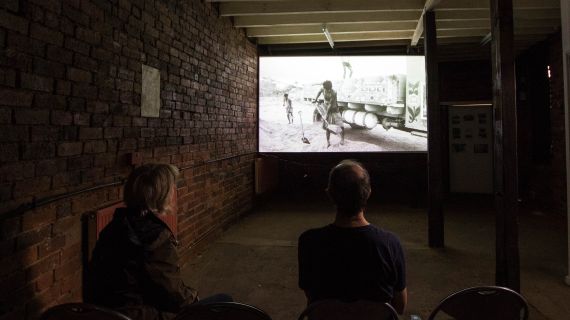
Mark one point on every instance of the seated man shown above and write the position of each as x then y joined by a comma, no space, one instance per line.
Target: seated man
351,259
134,268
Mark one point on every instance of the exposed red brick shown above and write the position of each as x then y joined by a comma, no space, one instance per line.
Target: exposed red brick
61,117
87,133
9,152
48,68
31,116
51,245
51,5
76,45
13,281
89,36
113,132
17,98
33,82
43,300
10,227
38,218
31,186
40,32
46,133
47,264
12,5
44,281
49,101
17,171
50,167
68,178
83,90
38,150
78,75
85,62
69,149
7,76
63,87
82,162
80,61
14,133
13,22
59,54
94,147
75,15
71,281
81,119
72,251
68,268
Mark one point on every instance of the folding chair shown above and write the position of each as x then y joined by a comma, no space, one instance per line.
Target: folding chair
358,310
222,311
489,303
81,311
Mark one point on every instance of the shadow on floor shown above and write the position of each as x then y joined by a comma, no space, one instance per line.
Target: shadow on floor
256,259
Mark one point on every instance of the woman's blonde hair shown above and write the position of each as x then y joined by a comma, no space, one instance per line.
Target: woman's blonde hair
150,187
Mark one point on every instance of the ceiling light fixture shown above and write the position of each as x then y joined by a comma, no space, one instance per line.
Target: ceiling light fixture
328,35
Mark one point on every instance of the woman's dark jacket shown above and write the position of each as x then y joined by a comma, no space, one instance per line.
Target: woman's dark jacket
134,268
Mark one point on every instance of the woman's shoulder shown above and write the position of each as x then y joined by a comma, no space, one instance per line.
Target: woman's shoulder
162,238
151,230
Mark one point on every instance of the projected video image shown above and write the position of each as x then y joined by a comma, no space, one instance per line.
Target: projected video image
342,104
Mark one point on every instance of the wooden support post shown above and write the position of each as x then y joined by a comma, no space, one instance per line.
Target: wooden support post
435,141
565,19
507,271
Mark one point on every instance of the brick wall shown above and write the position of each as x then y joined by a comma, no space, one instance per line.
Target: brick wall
555,195
540,104
70,84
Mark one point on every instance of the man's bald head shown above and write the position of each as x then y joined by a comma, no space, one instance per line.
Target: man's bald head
349,186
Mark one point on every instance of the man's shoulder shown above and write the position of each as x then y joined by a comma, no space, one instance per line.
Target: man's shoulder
386,235
313,233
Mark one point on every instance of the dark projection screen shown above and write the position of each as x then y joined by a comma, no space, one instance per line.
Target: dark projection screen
373,104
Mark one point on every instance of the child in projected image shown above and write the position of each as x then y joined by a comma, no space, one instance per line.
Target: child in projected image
332,113
288,108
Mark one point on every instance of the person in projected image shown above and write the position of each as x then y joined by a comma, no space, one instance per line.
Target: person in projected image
351,259
135,266
288,108
331,113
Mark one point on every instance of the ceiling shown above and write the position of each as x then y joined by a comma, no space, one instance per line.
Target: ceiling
461,24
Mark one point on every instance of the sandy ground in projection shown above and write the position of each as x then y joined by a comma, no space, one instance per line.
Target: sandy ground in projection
276,135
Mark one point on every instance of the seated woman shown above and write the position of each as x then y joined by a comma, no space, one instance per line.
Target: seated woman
134,268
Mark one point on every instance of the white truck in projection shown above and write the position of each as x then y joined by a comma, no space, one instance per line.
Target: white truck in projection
394,101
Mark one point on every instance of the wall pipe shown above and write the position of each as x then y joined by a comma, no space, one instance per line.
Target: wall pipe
51,199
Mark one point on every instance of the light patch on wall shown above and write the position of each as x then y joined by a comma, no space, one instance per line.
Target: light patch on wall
548,72
150,95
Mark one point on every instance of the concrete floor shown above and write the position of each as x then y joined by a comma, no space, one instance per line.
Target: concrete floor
255,260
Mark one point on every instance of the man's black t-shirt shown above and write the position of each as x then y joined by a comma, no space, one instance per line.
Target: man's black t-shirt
362,263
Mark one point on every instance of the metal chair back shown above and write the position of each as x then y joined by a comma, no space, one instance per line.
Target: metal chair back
358,310
222,311
81,311
489,303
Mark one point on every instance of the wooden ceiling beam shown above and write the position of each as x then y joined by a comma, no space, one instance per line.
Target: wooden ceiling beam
454,35
419,30
333,28
320,18
236,8
381,16
377,27
314,6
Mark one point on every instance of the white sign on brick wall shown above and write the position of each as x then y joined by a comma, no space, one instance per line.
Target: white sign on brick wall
150,94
